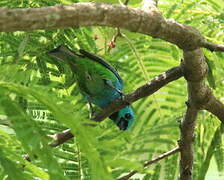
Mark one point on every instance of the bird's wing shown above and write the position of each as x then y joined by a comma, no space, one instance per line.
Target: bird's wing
67,55
102,62
62,52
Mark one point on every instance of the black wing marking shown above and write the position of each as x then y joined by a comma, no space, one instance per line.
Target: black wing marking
62,53
101,61
64,49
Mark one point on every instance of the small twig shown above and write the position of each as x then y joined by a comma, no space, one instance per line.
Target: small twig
126,2
60,137
213,47
162,156
112,43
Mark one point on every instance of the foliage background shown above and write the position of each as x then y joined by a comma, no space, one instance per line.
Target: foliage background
35,101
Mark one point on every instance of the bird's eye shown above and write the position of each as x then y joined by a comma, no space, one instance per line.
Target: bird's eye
128,116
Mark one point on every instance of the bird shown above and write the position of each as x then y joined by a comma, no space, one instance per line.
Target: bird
97,80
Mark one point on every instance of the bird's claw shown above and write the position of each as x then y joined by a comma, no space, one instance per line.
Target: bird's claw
92,114
123,99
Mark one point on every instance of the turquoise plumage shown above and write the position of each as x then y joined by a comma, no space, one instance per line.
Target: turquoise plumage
99,82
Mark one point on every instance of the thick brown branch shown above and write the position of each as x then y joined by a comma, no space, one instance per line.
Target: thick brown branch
162,156
216,107
149,21
186,143
143,91
199,97
194,69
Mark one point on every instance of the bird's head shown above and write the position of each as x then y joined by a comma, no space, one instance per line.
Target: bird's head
124,118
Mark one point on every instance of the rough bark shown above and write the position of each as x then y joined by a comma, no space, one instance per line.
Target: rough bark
194,70
149,22
186,143
215,107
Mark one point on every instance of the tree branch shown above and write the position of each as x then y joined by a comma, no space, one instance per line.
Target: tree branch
194,69
162,156
215,107
186,143
213,47
148,21
143,91
61,137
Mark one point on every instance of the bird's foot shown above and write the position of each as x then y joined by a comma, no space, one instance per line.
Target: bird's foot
92,111
92,114
123,99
